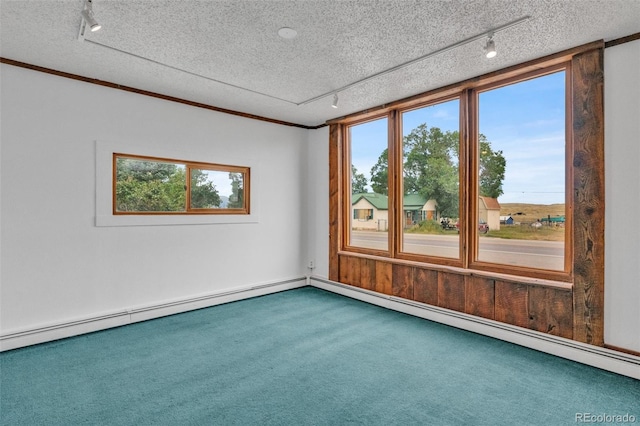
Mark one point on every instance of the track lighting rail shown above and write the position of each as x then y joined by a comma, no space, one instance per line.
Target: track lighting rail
421,58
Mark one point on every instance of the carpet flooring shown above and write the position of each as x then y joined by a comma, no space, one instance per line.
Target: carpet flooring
300,357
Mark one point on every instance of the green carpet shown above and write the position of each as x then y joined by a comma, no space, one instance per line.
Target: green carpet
300,357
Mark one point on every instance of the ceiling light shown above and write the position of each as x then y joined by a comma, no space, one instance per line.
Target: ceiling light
287,33
87,15
335,101
490,48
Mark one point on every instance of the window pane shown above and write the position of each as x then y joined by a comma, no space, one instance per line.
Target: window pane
214,189
149,186
431,180
369,185
522,173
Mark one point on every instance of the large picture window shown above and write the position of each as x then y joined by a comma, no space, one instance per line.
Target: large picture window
146,185
494,196
475,178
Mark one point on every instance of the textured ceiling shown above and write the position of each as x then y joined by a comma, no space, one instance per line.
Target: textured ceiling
228,53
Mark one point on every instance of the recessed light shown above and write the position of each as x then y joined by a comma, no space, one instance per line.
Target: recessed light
287,33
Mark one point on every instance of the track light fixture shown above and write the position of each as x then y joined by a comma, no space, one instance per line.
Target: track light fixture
335,101
490,47
87,15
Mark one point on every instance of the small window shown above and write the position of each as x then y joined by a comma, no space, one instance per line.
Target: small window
146,185
363,214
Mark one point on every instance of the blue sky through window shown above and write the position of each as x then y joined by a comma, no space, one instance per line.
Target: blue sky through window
526,121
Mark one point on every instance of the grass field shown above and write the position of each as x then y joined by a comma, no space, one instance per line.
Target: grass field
523,215
530,212
528,232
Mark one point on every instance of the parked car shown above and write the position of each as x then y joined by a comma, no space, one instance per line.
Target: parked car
483,227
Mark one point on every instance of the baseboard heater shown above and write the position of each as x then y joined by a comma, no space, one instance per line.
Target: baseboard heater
596,356
61,330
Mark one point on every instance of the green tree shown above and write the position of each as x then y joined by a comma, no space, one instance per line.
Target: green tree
380,174
492,168
149,186
236,200
358,181
431,168
155,186
143,171
203,192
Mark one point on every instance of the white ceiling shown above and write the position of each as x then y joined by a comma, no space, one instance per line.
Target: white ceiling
228,53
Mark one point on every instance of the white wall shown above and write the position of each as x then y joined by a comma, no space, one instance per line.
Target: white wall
57,266
622,195
318,200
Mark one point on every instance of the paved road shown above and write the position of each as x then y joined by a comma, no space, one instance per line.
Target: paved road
538,254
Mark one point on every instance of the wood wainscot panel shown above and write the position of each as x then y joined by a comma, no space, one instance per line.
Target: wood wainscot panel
480,297
551,311
425,286
451,291
343,263
350,270
368,274
402,284
384,275
512,303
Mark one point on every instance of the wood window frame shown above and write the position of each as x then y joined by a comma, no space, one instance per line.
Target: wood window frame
468,97
398,202
189,165
575,295
346,161
471,232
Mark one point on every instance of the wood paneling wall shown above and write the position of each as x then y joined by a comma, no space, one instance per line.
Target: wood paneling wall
588,185
572,310
531,306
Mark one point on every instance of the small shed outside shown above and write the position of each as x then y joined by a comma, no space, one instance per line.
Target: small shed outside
506,220
489,211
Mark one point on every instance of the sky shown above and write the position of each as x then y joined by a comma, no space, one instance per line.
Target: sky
526,121
221,181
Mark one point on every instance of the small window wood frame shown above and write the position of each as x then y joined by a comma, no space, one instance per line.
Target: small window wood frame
242,191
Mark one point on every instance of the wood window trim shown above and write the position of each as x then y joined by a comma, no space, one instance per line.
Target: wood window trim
189,165
472,261
345,161
586,272
468,196
431,100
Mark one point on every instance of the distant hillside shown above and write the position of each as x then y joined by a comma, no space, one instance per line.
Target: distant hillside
531,212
